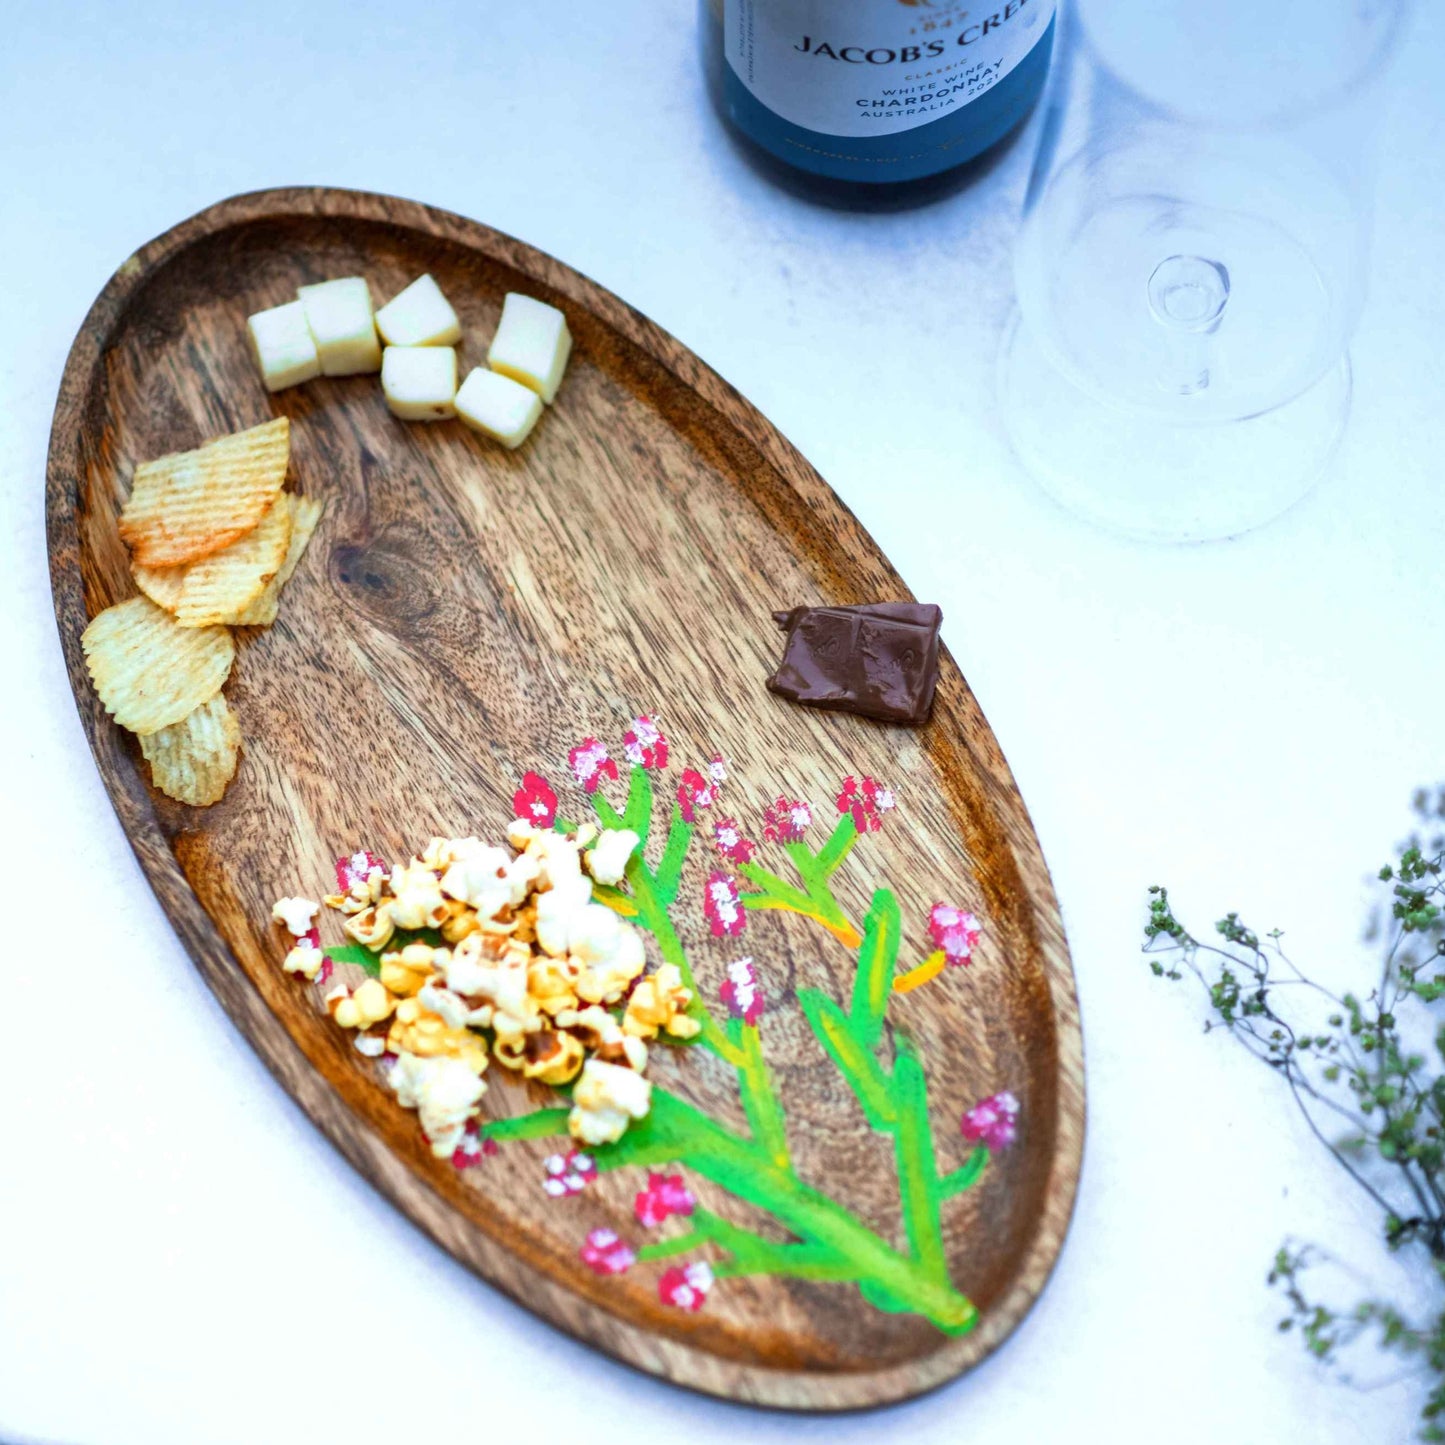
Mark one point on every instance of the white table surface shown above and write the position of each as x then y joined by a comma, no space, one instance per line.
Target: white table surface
1243,721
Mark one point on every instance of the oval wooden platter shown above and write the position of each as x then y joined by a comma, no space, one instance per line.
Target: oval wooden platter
466,614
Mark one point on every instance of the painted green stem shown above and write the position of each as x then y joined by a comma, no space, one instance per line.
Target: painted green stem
966,1175
839,845
674,854
750,1253
652,902
760,1099
830,1243
858,1066
815,899
744,1170
917,1168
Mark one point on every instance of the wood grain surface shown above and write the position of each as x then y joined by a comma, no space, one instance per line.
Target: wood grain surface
465,614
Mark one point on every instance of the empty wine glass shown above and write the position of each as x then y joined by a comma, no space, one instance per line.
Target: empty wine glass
1194,255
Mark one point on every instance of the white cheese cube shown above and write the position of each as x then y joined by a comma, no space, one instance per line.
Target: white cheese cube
498,407
532,344
342,324
283,346
420,382
419,316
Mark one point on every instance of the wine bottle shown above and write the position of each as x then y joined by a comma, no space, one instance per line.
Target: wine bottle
875,102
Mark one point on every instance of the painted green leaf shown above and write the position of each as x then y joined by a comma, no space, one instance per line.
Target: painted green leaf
355,953
544,1124
877,960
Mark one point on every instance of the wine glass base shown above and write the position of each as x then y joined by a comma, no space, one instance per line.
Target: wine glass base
1146,478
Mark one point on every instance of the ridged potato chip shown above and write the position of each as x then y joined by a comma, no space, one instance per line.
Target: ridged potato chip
305,515
193,760
190,504
161,584
148,670
219,586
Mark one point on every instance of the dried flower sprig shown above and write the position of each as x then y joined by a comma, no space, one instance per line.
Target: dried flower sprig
1366,1072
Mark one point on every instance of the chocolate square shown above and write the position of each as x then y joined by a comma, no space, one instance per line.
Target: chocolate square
878,660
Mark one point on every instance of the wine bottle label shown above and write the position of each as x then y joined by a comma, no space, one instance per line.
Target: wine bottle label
877,67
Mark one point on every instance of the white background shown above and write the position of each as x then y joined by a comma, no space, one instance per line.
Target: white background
182,1258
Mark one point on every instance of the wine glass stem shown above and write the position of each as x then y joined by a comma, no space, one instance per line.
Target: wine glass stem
1187,298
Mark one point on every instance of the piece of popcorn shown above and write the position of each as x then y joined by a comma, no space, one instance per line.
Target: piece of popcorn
418,901
498,407
305,959
607,861
419,316
368,883
439,853
501,985
532,344
520,833
523,874
480,877
408,969
283,346
561,911
419,382
415,1030
444,1091
609,951
551,984
605,1101
451,1008
373,926
372,1046
369,1004
459,922
602,1036
549,1056
340,317
660,1002
297,914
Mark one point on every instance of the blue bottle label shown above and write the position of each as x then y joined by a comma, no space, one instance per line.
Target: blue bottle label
877,67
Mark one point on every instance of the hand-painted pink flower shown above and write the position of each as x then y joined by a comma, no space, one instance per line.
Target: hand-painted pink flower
323,974
644,743
686,1289
664,1196
590,764
353,871
568,1173
696,792
473,1148
722,906
954,931
535,802
310,939
866,801
740,992
605,1253
717,770
786,820
992,1122
730,842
